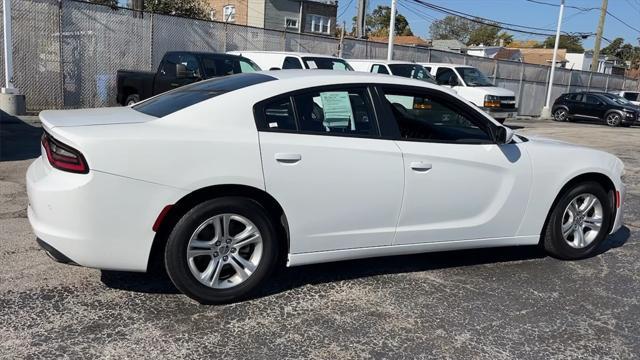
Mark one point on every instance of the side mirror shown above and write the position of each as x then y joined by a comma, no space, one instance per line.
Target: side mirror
274,68
453,81
504,135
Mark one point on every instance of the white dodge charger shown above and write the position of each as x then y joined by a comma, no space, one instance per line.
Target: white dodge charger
222,179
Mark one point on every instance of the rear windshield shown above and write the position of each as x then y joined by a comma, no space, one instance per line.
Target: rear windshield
180,98
326,63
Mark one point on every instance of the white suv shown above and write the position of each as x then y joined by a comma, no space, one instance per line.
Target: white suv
473,85
281,60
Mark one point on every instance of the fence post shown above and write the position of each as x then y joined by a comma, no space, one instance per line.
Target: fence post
151,45
589,83
520,87
429,57
569,83
606,84
495,69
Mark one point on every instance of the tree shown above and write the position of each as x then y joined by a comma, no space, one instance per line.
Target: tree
452,28
188,8
468,32
572,43
377,23
625,52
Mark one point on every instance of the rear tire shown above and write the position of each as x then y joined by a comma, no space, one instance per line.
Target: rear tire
132,99
574,229
222,250
560,115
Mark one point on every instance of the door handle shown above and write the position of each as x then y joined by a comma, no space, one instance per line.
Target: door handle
174,84
288,158
420,166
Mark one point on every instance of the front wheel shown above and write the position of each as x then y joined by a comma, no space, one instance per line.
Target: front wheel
579,222
613,119
221,250
132,99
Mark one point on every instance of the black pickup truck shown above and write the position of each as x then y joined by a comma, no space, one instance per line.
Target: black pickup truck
178,68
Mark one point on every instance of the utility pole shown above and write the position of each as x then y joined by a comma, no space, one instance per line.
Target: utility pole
596,46
361,19
546,110
392,30
11,101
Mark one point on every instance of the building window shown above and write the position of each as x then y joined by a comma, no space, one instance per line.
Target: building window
291,23
229,13
320,24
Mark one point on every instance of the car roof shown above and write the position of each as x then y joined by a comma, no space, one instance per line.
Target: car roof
290,53
377,61
203,53
445,64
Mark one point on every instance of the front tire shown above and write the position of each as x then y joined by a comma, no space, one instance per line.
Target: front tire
613,119
222,250
579,222
132,99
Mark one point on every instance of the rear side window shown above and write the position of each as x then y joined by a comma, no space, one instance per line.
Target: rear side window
180,98
335,111
593,100
443,75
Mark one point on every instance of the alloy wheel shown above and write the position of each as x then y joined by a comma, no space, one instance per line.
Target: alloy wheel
224,251
613,119
560,115
582,220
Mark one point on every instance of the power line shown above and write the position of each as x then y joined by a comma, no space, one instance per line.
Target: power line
493,23
345,9
567,6
622,21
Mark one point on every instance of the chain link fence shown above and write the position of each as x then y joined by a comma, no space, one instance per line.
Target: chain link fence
67,53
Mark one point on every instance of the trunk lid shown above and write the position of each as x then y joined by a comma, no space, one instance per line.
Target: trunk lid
85,117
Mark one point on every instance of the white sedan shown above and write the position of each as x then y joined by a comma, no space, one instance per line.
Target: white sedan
222,179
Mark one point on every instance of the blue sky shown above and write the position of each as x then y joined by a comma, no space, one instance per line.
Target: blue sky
519,12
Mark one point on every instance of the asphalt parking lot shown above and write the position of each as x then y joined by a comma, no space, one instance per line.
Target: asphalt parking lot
493,303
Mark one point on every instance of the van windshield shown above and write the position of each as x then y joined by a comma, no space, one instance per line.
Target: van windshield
326,63
473,77
413,71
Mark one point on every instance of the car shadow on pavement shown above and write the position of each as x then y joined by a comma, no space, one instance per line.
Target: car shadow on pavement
18,139
290,278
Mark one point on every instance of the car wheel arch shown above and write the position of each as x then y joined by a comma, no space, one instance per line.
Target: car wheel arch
187,202
597,177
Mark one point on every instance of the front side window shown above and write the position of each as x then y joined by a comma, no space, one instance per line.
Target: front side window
229,13
421,116
473,77
592,100
326,63
444,76
291,62
379,69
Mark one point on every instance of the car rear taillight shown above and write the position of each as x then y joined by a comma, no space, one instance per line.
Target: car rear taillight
64,157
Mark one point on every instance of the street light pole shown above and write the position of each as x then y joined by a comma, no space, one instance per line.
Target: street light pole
546,110
392,30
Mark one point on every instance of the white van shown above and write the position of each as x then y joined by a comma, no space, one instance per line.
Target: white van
398,68
632,96
281,60
473,85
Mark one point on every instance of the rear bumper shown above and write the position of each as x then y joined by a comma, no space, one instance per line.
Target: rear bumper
96,220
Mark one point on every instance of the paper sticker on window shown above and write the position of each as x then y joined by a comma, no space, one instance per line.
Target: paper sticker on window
336,107
273,125
311,64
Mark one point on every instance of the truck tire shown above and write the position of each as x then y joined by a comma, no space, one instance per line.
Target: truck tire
132,99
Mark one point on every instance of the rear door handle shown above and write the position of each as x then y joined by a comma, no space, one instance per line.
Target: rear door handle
288,158
420,166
